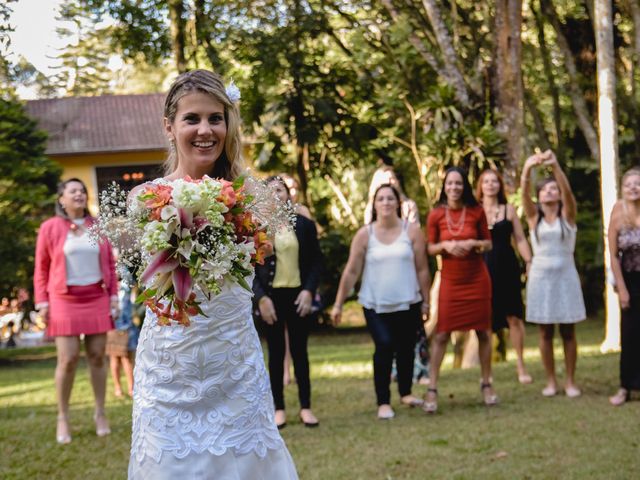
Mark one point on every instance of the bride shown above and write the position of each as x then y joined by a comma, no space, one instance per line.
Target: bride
202,403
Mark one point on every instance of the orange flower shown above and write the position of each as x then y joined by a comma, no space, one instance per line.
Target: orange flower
157,196
228,194
263,246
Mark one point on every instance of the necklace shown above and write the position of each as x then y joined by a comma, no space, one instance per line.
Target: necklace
77,226
455,228
496,216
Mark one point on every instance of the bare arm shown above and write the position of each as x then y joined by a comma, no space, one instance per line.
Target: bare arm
530,210
421,263
616,267
569,208
351,272
518,235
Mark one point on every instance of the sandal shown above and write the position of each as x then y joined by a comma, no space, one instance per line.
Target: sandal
385,412
620,398
525,378
490,398
411,401
430,404
572,391
63,435
102,425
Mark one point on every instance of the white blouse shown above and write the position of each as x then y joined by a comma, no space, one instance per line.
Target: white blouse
82,258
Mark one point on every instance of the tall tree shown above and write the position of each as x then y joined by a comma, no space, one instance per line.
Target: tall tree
177,13
573,87
607,121
27,185
509,83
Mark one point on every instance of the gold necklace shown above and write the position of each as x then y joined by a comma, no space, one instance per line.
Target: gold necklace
455,228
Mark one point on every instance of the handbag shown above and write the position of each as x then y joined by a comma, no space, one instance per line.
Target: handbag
117,343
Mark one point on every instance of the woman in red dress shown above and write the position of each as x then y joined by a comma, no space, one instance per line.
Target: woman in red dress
457,230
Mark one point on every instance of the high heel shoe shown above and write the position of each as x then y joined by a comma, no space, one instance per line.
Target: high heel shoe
430,404
102,428
490,398
63,436
620,398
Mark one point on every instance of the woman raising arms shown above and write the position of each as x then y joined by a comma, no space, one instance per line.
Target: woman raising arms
553,286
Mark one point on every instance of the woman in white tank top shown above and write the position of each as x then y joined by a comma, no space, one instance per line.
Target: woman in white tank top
391,256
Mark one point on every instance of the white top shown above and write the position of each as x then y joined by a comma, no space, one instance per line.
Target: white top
389,280
82,258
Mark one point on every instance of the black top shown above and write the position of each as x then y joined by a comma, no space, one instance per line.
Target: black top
309,261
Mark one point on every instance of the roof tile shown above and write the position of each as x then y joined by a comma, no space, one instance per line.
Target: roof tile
107,123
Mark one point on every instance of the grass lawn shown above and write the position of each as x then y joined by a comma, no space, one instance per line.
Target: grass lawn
525,437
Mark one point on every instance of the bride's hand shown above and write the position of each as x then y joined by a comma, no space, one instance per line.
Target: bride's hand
267,310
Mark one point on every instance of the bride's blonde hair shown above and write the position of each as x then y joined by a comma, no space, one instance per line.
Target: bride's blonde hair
230,164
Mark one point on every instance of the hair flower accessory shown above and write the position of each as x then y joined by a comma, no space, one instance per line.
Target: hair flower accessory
233,92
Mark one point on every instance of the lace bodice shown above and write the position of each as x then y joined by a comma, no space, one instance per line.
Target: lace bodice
204,387
629,248
555,240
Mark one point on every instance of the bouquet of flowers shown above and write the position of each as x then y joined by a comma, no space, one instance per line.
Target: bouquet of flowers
182,235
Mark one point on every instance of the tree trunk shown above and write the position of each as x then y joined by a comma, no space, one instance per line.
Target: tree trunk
448,53
634,6
531,107
417,43
178,28
577,98
608,151
203,33
509,92
553,88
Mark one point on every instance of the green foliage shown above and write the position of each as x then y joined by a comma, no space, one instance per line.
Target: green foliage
330,87
27,183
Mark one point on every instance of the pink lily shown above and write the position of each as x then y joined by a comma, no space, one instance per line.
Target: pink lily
161,263
182,283
186,218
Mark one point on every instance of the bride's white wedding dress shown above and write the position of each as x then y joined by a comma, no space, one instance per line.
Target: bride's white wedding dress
202,405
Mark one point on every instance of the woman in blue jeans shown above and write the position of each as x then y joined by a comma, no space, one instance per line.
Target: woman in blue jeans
391,255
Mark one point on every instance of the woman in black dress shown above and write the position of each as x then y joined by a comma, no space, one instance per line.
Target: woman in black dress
503,265
624,245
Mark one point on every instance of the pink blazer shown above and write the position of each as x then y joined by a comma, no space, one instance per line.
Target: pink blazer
50,274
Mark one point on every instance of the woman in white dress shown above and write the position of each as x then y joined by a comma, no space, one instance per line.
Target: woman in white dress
202,401
554,295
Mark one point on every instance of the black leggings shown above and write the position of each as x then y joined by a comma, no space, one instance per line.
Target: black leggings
630,335
393,334
298,328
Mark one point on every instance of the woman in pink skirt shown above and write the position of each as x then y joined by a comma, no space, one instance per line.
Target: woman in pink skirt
75,291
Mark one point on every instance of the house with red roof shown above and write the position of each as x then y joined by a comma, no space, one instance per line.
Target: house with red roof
105,138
